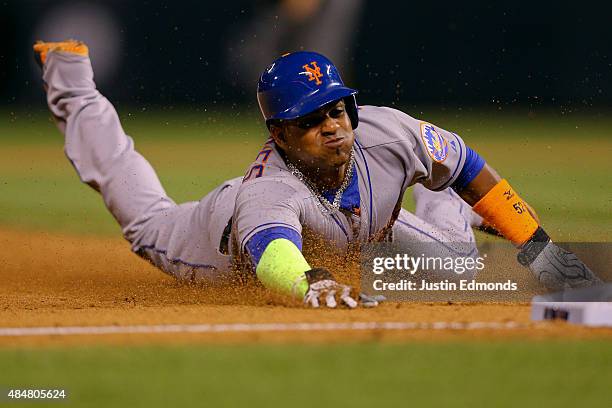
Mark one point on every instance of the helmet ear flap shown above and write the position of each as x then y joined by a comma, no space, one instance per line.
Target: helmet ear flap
350,103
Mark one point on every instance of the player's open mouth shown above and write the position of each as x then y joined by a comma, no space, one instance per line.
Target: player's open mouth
334,143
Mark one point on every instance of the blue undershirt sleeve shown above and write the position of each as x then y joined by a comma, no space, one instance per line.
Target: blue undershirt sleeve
472,166
257,244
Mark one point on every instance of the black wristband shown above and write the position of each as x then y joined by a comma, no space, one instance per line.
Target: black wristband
318,274
532,248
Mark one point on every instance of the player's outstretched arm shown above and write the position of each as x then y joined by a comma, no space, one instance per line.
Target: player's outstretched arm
267,226
283,269
496,201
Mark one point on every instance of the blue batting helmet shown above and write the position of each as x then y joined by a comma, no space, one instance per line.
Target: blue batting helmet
299,83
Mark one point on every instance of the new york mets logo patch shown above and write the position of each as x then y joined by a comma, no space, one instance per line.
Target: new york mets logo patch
313,72
436,145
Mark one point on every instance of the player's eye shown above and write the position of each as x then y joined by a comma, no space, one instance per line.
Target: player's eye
310,121
316,118
336,112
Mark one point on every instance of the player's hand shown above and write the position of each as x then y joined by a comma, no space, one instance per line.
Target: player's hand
554,267
323,288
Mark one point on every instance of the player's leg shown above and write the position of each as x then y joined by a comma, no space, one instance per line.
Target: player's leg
444,209
441,227
95,143
174,238
191,241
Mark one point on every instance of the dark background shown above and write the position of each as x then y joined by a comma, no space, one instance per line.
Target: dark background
510,54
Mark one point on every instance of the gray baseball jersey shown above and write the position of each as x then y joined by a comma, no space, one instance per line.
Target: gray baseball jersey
191,241
392,152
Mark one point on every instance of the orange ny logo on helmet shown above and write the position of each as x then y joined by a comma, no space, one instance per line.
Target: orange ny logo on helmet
313,72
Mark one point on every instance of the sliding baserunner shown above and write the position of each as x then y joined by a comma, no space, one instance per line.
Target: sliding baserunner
329,169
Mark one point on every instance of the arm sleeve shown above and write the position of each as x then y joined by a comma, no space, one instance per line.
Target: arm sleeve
281,268
435,156
257,244
473,165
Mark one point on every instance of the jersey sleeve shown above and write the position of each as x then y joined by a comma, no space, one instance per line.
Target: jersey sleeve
264,204
436,156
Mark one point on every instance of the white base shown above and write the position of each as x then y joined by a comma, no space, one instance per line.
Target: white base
598,314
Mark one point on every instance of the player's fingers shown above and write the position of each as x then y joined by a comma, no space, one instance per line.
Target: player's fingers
312,299
346,290
349,301
345,296
330,299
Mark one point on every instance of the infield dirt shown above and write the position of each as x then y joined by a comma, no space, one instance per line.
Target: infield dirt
62,280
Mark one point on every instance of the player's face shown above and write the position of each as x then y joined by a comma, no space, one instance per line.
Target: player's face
319,140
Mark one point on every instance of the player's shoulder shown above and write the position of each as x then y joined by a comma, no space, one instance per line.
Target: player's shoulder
374,114
268,175
272,191
279,179
274,183
380,125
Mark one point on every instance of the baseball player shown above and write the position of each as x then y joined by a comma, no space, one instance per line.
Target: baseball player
330,170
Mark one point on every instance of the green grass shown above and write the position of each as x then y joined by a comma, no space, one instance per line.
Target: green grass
500,374
560,164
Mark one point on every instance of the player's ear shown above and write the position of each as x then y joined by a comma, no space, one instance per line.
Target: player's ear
278,134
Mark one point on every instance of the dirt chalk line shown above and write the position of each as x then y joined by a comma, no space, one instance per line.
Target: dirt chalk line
253,327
